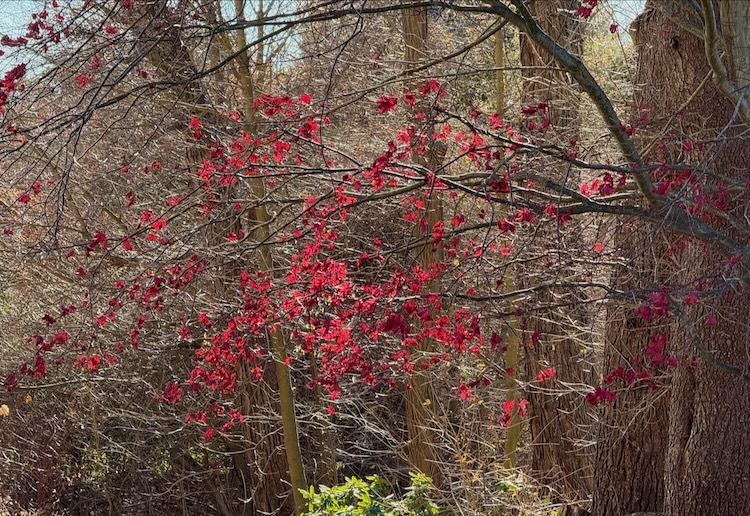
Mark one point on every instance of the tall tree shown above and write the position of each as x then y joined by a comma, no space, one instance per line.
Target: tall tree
708,463
632,431
275,338
557,417
683,451
420,420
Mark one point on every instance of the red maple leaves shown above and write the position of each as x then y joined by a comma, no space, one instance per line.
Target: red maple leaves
338,300
387,103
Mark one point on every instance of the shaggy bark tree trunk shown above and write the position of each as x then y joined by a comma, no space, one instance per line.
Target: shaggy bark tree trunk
261,475
557,419
632,437
633,431
698,441
707,469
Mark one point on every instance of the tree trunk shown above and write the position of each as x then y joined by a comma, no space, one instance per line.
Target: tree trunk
708,459
557,419
275,335
701,449
262,469
420,420
325,434
512,332
632,434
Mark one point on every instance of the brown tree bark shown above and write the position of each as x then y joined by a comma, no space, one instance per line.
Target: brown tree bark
260,479
633,431
420,420
275,336
543,81
266,458
557,420
707,470
687,454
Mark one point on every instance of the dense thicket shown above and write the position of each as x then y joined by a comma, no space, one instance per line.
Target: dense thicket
253,247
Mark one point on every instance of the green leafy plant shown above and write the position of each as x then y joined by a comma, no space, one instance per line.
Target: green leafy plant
372,496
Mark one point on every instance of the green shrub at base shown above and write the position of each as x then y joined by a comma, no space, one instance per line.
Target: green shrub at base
372,497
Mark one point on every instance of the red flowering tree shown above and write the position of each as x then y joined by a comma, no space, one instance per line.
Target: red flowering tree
205,270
